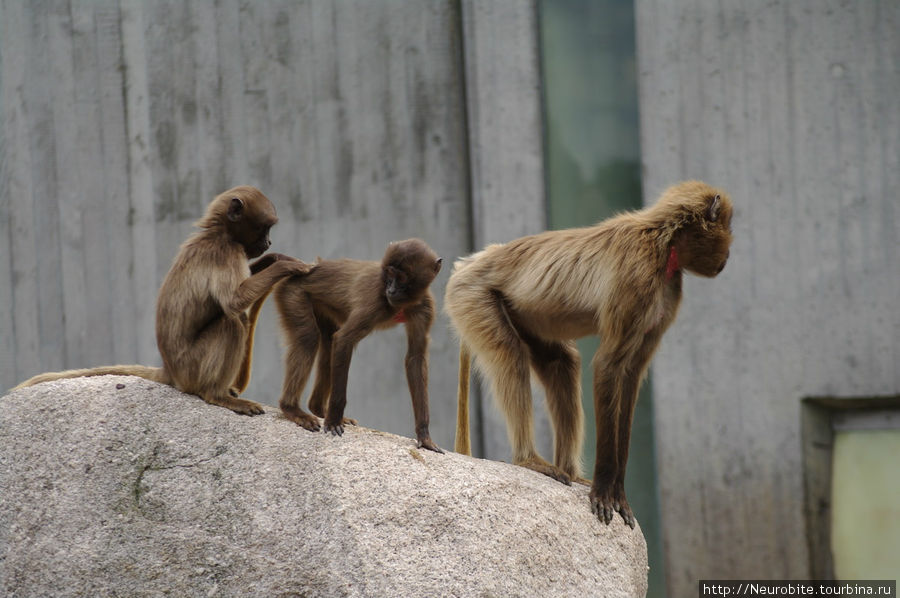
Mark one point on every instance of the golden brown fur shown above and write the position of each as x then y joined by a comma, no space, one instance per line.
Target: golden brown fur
202,327
518,306
337,305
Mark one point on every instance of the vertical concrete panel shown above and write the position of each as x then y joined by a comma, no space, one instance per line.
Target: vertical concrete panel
19,341
791,107
351,116
505,157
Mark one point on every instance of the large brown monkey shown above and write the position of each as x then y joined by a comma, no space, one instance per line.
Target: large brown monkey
517,307
202,327
337,305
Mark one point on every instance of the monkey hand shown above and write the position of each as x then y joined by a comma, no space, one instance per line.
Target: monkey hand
292,266
335,429
338,430
427,443
605,504
269,259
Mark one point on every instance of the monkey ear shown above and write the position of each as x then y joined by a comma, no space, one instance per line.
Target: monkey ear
437,264
235,209
715,205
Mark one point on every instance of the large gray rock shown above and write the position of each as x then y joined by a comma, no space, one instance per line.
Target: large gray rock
145,491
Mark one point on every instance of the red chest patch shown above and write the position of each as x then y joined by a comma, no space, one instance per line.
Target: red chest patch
672,265
400,317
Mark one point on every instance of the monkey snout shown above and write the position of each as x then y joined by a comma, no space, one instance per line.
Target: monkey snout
722,265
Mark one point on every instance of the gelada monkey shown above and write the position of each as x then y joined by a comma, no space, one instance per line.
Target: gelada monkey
518,306
337,305
203,331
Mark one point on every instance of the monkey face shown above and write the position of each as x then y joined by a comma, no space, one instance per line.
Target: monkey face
708,256
250,215
258,240
405,285
408,269
703,246
396,286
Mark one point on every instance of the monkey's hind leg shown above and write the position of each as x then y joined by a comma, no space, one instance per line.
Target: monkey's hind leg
504,356
302,335
209,366
558,365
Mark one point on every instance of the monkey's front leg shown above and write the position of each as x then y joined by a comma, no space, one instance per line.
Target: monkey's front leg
616,389
417,327
345,340
607,493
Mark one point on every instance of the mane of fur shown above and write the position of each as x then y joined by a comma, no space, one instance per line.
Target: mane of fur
217,210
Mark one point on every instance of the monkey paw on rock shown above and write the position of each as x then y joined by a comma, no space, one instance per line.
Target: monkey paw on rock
427,443
301,418
338,429
606,505
238,405
539,465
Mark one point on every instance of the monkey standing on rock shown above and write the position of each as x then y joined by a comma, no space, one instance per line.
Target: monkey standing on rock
518,306
203,331
339,303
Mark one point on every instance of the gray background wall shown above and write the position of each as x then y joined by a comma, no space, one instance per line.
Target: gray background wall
792,107
367,122
364,122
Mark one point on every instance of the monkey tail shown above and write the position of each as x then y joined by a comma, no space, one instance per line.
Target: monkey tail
463,443
142,371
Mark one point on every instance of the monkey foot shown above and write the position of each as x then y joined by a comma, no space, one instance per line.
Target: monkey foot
301,418
335,429
427,443
582,481
242,406
605,508
541,466
338,429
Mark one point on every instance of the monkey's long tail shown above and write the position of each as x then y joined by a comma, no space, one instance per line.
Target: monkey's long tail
463,444
142,371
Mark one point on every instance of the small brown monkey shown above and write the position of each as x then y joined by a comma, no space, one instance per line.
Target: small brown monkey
203,331
518,306
338,304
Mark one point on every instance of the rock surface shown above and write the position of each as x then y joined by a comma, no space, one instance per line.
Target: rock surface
141,490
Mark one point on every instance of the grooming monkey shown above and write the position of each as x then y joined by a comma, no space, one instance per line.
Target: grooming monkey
203,331
518,306
336,305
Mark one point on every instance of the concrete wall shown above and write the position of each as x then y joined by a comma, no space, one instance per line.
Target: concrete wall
507,167
792,107
120,120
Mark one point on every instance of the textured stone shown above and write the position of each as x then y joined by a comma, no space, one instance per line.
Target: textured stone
145,491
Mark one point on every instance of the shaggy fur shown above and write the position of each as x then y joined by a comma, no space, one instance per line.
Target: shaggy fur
333,308
202,328
518,306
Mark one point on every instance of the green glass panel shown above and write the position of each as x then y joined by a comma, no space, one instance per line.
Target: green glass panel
865,505
593,171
